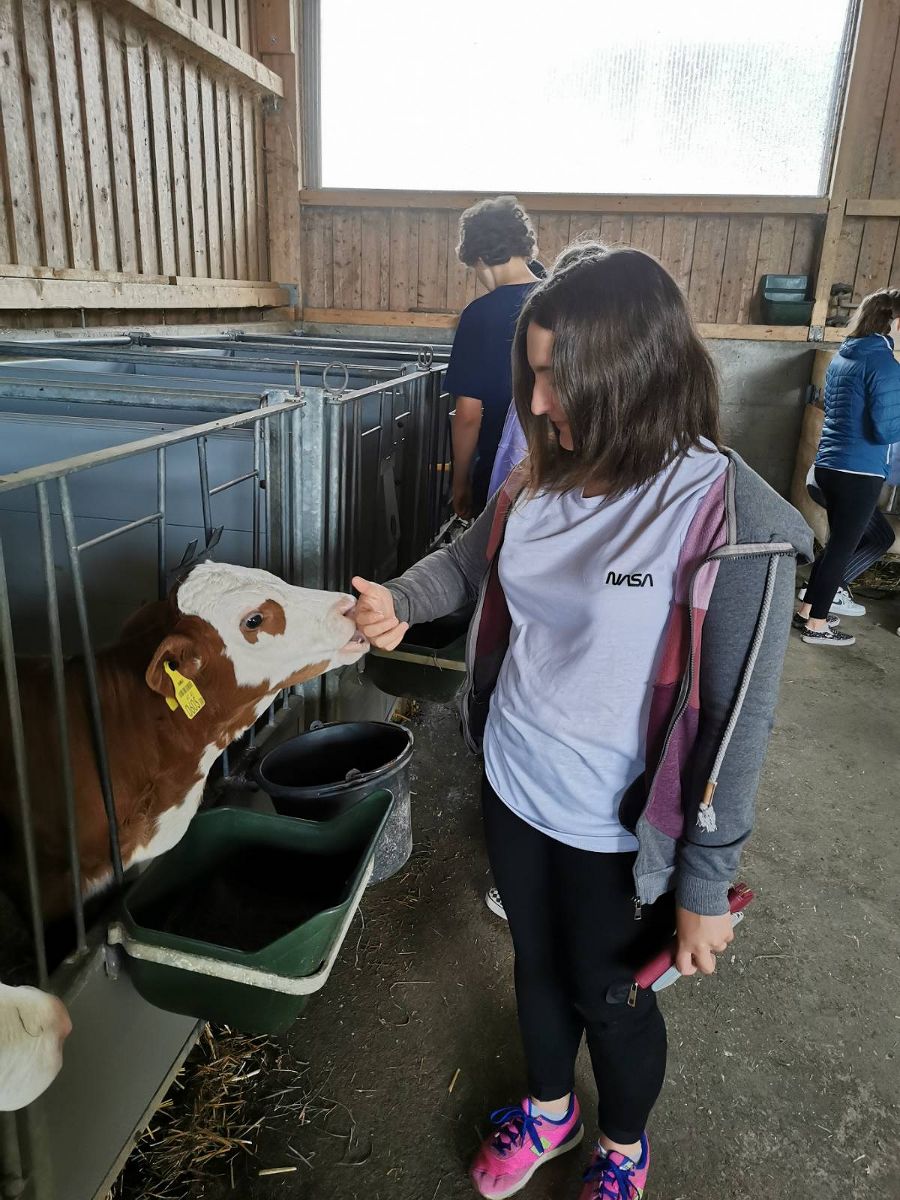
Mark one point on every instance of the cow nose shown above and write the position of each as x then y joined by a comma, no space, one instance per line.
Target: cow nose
346,607
62,1019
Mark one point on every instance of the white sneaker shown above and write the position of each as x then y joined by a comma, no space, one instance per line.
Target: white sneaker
843,604
494,903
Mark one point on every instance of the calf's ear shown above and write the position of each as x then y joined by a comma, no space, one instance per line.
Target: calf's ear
181,653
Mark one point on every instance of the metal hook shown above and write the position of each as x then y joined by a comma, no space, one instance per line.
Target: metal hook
335,366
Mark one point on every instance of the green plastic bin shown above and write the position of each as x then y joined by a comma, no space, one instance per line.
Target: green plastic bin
784,300
430,662
242,921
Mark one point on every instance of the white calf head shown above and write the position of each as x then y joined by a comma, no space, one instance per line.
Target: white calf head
33,1027
272,632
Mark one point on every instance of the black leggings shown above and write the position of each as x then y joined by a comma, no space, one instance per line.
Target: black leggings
858,533
577,943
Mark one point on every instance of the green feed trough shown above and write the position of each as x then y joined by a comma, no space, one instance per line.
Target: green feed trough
242,921
429,664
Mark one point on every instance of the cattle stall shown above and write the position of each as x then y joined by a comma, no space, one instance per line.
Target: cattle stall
160,464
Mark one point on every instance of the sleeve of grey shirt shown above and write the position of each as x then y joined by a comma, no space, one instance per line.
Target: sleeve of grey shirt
708,861
449,578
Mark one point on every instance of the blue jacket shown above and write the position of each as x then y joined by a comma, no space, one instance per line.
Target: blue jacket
862,406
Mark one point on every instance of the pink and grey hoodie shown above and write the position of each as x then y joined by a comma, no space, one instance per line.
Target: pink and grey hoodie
715,694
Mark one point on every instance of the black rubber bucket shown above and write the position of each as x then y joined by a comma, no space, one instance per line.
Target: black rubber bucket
330,768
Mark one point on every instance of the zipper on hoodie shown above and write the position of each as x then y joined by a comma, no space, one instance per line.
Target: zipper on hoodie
681,703
470,662
687,681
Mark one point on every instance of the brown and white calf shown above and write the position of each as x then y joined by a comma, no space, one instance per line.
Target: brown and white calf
239,635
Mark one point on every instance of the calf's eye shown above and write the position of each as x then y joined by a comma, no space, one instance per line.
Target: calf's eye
253,621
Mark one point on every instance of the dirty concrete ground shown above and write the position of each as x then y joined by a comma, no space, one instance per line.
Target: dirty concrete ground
783,1074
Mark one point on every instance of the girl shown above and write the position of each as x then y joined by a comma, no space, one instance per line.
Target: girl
862,418
634,587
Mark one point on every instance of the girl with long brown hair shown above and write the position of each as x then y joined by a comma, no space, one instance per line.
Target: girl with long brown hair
634,585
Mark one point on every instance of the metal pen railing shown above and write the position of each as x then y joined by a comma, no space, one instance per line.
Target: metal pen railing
358,485
337,482
39,480
403,448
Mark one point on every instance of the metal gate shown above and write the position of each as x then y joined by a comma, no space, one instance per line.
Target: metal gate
315,485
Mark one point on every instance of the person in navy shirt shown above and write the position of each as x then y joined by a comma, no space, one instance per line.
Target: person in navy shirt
497,239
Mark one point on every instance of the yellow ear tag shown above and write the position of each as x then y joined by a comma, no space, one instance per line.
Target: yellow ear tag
187,695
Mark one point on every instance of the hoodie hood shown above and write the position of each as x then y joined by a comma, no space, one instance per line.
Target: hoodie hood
758,515
875,343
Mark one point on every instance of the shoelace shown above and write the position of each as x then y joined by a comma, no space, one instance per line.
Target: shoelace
513,1125
611,1175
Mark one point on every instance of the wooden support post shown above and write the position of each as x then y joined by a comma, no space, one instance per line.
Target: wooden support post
852,170
277,47
834,223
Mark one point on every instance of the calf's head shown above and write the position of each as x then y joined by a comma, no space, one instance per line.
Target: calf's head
270,634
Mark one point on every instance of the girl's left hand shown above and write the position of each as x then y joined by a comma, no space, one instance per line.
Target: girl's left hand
700,939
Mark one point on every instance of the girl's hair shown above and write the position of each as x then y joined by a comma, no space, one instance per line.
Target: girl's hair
583,247
495,231
875,314
630,372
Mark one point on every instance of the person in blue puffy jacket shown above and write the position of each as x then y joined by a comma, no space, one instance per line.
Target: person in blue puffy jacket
862,419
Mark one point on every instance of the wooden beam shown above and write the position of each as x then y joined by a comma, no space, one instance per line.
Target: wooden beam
439,320
18,291
828,256
277,46
174,25
570,202
268,322
754,333
368,316
851,174
873,208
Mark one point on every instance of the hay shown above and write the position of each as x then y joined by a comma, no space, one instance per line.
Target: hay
207,1127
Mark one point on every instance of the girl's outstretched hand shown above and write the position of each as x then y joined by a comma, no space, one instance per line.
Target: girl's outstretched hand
375,617
700,939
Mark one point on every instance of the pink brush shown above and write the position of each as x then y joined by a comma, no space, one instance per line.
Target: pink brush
663,964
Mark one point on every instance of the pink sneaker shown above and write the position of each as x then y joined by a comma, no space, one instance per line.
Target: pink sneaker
612,1176
522,1143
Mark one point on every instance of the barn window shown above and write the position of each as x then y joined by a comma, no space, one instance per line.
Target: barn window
703,97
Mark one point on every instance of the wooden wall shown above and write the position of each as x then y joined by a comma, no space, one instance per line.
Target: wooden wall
403,260
869,249
149,164
388,258
132,158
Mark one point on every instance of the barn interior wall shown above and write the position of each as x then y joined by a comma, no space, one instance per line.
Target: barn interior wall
150,153
369,253
404,259
135,161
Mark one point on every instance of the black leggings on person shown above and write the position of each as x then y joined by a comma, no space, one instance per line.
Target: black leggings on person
858,533
577,943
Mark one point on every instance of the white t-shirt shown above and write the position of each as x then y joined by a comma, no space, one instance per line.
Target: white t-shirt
589,583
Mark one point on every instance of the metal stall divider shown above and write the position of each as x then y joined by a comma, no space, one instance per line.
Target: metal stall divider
314,520
26,1144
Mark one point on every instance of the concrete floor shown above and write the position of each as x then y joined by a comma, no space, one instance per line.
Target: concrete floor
783,1075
